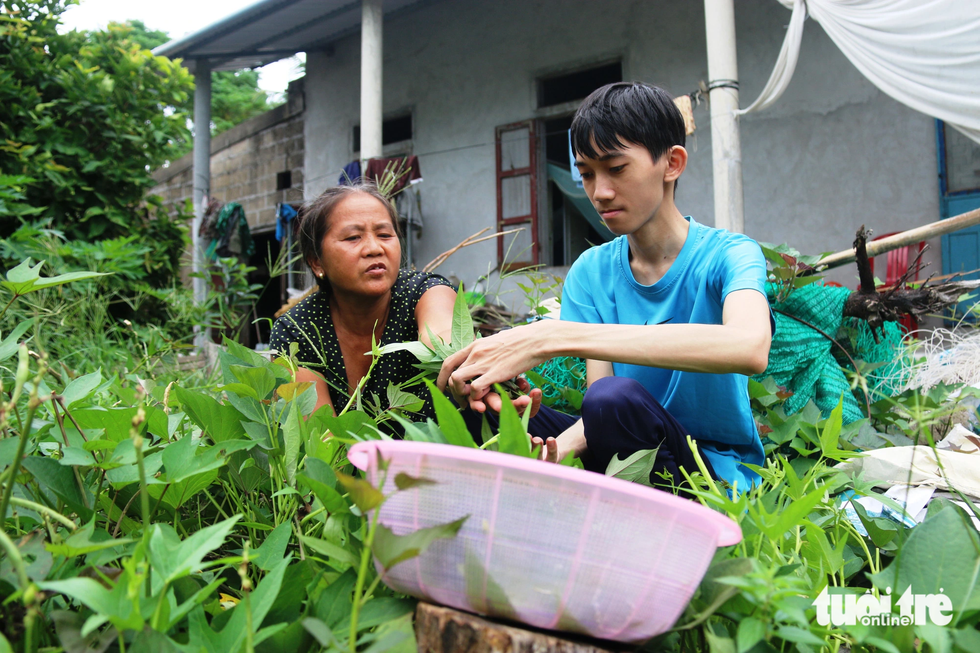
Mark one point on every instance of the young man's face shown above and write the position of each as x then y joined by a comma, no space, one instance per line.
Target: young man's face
626,186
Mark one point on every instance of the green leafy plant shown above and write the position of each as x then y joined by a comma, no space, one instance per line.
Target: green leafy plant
167,512
789,269
26,278
431,356
209,489
539,287
231,297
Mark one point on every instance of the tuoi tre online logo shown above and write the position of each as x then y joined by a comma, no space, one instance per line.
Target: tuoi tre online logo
834,607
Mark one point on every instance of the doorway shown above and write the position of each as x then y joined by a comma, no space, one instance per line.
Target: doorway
270,297
572,229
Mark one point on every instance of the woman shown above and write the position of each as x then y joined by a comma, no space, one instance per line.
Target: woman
349,238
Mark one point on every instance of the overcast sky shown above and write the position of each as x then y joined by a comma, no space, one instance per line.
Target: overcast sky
178,18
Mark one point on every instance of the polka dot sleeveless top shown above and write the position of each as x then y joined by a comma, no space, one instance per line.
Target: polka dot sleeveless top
310,326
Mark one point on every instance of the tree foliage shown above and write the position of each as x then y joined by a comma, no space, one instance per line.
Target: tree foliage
235,97
86,117
139,33
235,94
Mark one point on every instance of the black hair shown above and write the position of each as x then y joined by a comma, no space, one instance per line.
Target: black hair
627,111
314,219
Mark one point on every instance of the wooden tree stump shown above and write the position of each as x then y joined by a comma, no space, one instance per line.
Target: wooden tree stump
444,630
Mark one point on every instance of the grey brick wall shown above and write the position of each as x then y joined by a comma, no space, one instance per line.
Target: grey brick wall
245,161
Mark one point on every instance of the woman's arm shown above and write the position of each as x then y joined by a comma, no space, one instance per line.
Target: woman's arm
322,390
435,311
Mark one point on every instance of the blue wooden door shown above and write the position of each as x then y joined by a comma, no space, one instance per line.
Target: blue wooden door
959,189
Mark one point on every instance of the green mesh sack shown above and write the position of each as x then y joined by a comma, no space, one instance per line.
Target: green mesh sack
800,357
805,361
887,379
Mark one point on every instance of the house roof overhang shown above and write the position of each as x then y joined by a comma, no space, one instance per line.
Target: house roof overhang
269,30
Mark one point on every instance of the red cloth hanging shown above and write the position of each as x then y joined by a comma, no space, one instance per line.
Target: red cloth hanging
375,169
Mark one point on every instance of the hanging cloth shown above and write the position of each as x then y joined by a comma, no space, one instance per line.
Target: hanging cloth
350,173
284,215
922,53
374,171
231,234
206,230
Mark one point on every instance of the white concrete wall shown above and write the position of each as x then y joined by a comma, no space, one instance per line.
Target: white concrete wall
833,154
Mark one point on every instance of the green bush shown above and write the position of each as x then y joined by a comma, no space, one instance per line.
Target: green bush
86,117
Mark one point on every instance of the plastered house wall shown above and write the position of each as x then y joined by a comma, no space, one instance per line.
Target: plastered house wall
834,153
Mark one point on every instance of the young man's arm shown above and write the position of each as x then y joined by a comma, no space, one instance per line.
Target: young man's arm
740,345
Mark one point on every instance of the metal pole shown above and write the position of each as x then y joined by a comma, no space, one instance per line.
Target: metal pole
289,254
372,23
726,148
202,175
410,200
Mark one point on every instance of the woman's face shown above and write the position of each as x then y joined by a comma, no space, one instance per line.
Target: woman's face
360,253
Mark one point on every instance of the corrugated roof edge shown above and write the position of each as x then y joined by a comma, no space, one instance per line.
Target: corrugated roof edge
179,47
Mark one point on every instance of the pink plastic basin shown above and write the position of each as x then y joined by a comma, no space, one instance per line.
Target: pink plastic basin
550,546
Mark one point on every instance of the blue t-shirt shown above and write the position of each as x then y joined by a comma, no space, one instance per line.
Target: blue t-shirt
714,408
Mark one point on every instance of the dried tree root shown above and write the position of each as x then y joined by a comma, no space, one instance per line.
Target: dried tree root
893,303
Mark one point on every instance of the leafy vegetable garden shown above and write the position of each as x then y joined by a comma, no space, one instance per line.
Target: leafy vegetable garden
147,509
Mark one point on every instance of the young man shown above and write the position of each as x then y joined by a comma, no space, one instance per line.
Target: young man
670,316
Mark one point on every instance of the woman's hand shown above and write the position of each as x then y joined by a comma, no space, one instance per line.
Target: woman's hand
549,450
530,400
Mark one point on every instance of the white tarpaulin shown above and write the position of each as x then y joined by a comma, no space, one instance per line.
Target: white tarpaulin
923,53
955,462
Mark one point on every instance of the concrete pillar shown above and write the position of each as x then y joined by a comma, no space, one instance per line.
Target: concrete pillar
726,148
372,24
202,173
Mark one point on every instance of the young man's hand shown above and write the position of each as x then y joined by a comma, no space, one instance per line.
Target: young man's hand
472,371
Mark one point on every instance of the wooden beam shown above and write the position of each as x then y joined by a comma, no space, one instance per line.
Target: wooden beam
925,232
444,630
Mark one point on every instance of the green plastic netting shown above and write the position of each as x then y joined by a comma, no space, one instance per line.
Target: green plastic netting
801,359
561,374
809,365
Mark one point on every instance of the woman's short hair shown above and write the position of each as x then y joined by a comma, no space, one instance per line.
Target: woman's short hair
314,219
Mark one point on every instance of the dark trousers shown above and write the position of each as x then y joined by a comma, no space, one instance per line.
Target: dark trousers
620,417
